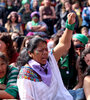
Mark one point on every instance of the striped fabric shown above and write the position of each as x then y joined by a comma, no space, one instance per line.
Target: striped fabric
11,79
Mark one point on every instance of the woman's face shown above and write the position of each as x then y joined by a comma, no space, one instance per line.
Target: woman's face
15,45
89,2
78,46
35,4
47,2
87,59
76,41
40,54
35,19
67,6
62,1
3,68
27,6
2,46
13,18
9,2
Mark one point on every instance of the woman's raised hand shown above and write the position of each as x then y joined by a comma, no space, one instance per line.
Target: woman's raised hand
71,18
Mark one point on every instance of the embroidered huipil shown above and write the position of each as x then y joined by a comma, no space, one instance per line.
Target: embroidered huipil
38,90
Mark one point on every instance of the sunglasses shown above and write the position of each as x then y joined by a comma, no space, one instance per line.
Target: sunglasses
79,47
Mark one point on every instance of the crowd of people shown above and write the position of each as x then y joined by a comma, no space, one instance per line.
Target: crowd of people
45,49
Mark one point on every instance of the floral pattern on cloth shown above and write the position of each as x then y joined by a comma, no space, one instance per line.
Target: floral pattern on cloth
27,72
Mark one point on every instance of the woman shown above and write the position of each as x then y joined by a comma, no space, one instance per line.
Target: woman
25,42
8,78
35,5
9,7
68,9
12,24
39,77
86,15
17,42
36,27
25,11
47,14
6,46
85,68
79,41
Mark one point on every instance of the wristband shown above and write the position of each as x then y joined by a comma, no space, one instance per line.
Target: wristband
70,26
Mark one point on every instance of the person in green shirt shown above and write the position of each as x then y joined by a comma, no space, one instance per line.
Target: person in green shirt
8,79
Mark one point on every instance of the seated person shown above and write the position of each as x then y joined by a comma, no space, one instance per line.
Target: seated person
79,41
8,78
35,26
85,67
84,31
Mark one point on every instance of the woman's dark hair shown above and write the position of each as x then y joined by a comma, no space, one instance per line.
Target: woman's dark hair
33,43
19,41
57,36
71,53
6,38
24,57
2,56
24,41
83,65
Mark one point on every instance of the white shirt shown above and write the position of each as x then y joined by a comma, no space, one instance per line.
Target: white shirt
30,90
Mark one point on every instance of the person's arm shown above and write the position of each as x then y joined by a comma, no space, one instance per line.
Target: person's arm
5,95
65,40
21,30
37,28
21,10
86,87
84,14
41,29
80,76
40,10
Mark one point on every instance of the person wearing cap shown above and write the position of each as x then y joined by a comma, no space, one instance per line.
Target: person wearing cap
79,41
25,12
36,26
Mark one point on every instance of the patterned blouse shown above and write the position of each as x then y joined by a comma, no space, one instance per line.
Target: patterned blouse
27,72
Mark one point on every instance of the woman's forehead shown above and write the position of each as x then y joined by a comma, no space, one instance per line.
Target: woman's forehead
88,55
42,44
